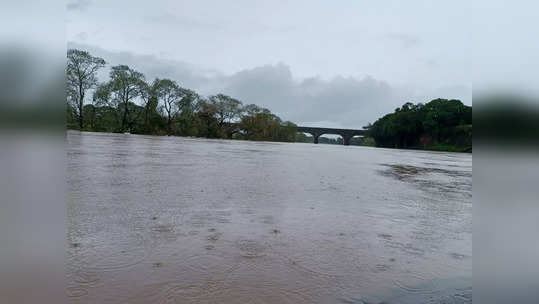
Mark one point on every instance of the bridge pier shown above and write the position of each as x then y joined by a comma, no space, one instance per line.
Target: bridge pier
346,134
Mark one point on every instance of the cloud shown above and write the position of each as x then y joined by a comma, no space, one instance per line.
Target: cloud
341,101
461,92
337,102
186,22
219,25
155,67
82,36
405,40
78,5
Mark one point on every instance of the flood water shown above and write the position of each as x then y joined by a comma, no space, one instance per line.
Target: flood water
181,220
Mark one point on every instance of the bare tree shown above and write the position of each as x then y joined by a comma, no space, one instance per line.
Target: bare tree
81,73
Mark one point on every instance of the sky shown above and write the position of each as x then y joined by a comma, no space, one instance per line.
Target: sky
317,63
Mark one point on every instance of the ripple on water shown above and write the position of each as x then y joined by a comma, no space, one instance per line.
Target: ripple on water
165,232
174,292
415,283
76,291
163,228
260,294
330,262
251,248
188,293
290,239
210,264
110,258
380,268
458,256
86,278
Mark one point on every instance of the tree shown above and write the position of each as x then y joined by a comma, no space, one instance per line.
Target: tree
206,123
126,102
172,98
413,125
227,109
81,73
148,95
260,124
252,109
189,104
124,87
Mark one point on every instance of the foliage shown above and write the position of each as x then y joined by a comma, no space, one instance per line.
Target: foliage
169,96
81,70
261,124
439,122
127,103
227,109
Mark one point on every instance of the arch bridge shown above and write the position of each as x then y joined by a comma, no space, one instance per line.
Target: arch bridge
346,134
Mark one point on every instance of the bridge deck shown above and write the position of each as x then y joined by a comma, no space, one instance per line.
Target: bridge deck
346,134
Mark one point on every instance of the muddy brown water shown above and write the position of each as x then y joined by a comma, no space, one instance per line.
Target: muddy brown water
180,220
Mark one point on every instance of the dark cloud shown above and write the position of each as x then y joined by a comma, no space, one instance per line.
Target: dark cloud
79,5
346,102
336,102
419,48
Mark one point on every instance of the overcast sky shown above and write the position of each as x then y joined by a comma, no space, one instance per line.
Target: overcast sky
325,63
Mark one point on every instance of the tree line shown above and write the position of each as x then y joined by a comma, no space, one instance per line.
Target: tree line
127,102
440,124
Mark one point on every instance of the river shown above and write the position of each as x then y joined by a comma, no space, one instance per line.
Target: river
182,220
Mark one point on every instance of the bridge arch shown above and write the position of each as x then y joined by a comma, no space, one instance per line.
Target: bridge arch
346,134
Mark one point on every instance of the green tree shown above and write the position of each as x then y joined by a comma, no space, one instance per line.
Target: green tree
189,105
148,97
126,102
421,125
260,124
124,87
81,70
168,94
207,123
227,109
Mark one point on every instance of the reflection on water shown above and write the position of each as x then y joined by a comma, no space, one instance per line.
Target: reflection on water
177,220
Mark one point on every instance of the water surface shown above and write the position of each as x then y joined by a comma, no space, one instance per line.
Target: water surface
179,220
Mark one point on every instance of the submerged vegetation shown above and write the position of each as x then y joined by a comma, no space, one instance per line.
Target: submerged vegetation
127,102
